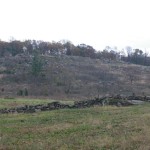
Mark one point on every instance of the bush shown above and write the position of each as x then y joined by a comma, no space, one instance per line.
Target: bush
20,93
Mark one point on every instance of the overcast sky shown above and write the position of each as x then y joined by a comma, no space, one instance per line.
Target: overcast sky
94,22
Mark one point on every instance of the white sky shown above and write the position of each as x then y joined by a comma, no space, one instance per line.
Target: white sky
94,22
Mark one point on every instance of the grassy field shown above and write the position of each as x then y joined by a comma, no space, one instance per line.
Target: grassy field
10,103
95,128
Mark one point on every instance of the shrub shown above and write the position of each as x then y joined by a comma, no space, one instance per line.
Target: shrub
20,93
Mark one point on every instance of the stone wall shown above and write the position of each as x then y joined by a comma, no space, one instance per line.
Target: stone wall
114,100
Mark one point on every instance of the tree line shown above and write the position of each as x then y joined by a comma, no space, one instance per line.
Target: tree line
64,47
137,57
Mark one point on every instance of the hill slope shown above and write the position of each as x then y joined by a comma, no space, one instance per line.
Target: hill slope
72,76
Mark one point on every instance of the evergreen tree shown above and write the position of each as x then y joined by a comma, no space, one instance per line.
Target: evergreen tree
36,65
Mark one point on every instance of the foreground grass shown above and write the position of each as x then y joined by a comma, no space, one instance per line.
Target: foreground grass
87,129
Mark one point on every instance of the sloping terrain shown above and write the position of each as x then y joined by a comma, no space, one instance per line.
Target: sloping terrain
72,77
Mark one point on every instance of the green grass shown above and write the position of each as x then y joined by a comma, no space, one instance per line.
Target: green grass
10,103
95,128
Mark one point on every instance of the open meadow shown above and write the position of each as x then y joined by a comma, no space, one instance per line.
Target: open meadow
94,128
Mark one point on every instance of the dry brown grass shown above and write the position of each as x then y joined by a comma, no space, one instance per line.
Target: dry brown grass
81,75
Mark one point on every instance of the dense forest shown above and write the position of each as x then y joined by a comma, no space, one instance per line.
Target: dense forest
29,47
